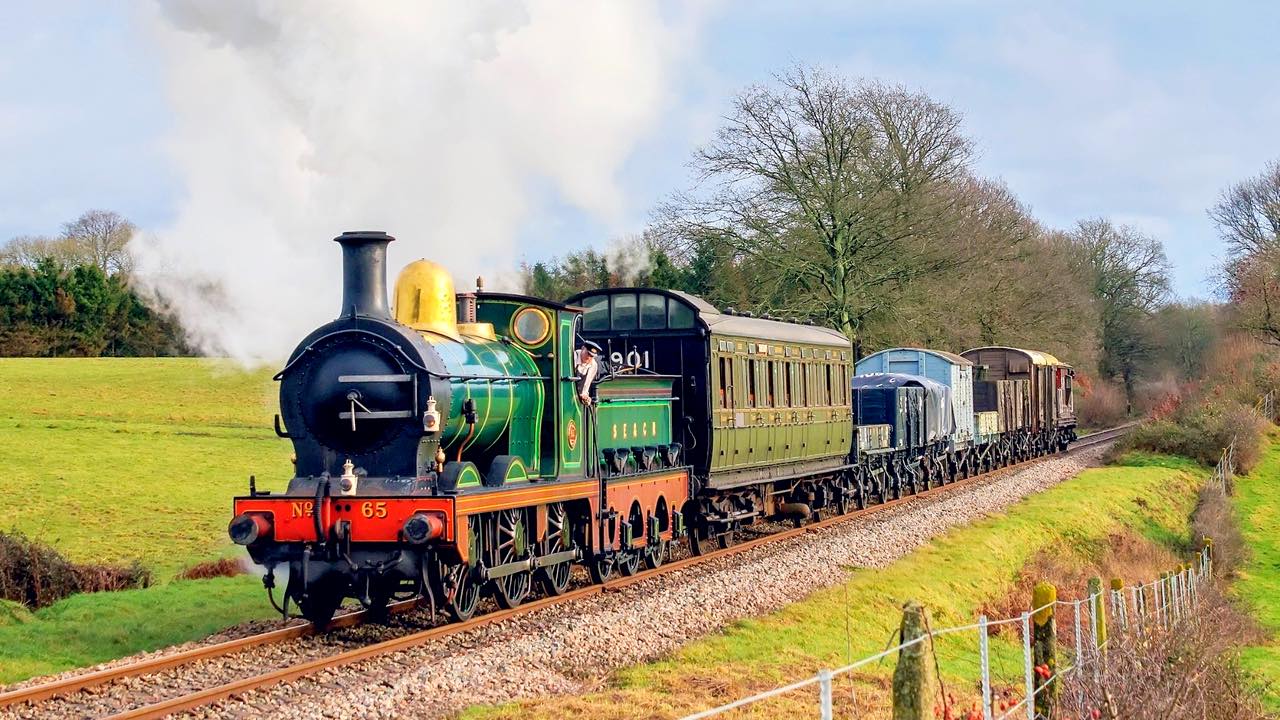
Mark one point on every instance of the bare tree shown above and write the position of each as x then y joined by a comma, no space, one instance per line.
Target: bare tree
27,250
1130,274
101,237
1248,218
839,191
1248,214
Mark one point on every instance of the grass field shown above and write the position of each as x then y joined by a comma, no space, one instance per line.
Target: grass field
1257,500
953,575
134,459
116,460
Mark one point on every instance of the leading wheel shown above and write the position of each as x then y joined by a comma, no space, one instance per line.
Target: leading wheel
728,538
321,600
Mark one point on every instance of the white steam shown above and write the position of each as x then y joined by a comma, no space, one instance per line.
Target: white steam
438,122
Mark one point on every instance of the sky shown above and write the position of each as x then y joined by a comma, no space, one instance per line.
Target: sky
1138,112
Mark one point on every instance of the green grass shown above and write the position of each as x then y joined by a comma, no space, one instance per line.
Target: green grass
954,575
92,628
116,460
1257,501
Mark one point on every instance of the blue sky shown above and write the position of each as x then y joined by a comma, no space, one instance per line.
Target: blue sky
1141,112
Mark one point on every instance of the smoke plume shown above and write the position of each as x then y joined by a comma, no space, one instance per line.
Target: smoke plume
443,123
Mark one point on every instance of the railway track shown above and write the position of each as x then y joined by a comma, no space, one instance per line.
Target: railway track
88,682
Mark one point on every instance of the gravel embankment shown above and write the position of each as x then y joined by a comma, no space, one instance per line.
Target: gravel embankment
570,648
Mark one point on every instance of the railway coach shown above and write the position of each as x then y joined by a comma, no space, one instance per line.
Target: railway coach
763,406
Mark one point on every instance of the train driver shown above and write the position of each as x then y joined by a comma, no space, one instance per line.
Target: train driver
587,367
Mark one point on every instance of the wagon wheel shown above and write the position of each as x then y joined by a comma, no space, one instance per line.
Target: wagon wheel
728,538
456,583
892,484
554,579
510,546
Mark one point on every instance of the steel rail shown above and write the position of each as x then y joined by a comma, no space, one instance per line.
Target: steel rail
210,695
76,683
222,692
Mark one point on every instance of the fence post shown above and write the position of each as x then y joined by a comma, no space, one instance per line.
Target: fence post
1028,674
1045,640
912,679
1158,591
1118,606
1136,592
824,686
1099,614
984,656
1078,663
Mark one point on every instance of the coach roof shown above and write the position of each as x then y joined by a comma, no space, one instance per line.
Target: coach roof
721,323
1037,357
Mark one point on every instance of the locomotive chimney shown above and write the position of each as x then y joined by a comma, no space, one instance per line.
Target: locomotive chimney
364,273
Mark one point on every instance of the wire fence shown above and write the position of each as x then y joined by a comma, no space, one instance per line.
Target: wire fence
1016,668
1002,653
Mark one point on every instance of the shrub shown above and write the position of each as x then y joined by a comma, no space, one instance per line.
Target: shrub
226,567
1101,406
34,574
1201,431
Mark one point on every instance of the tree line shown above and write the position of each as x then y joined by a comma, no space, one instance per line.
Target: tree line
70,295
854,204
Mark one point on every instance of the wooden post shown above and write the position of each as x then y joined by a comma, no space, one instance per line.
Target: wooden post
1118,603
1044,636
913,681
1099,614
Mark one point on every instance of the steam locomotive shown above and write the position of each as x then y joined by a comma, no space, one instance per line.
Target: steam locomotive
442,450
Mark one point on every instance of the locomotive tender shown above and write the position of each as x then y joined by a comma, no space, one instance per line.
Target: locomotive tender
441,449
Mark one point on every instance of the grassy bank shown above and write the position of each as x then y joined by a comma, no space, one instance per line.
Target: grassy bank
1257,500
955,575
117,460
88,629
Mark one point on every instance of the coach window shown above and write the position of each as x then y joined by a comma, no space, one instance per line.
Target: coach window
653,312
751,383
726,382
827,374
787,397
773,388
596,313
623,311
679,316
